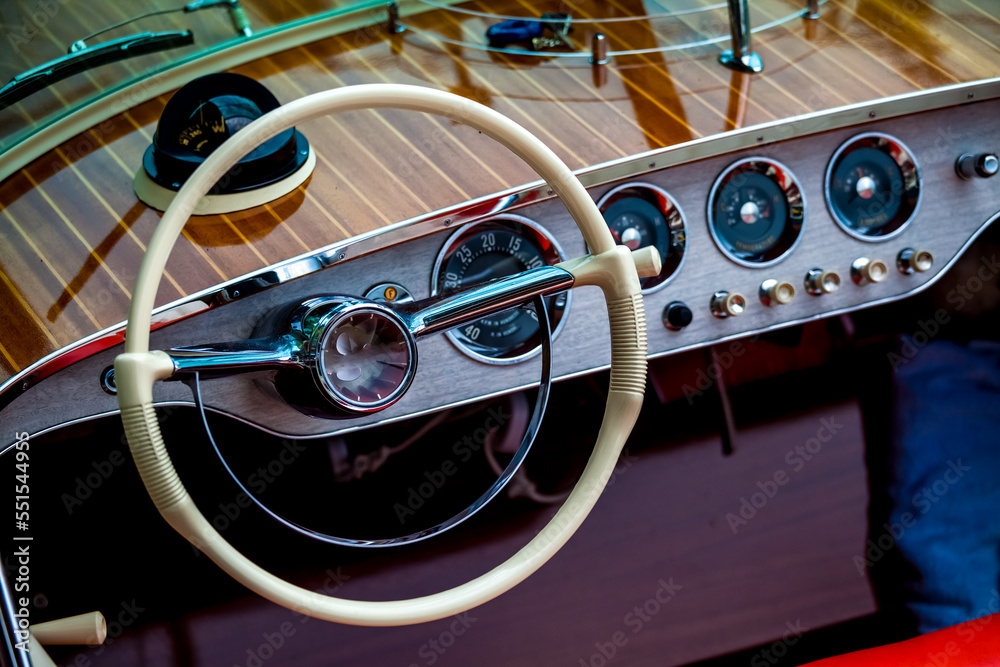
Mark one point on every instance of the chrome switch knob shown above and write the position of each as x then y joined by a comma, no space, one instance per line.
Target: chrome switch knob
864,271
776,292
969,166
910,261
819,282
727,304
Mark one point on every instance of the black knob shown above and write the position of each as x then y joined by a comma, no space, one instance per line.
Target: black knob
676,315
969,166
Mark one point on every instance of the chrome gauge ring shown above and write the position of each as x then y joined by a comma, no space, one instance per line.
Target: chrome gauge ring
366,358
334,357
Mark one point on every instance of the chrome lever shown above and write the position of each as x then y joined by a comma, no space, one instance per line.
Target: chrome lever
441,313
244,356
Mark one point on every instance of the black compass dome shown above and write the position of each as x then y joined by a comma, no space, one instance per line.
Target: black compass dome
206,112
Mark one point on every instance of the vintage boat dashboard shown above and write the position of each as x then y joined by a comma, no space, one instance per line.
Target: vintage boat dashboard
759,229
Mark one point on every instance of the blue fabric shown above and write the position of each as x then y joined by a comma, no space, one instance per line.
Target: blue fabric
945,479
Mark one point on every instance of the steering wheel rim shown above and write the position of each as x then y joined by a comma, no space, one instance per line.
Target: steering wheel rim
609,266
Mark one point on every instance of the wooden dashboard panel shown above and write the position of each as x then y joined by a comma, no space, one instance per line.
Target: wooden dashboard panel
951,214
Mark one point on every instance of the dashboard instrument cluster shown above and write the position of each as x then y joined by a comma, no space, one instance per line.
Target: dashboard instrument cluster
759,229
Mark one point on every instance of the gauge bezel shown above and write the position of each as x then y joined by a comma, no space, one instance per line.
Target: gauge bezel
668,272
914,169
537,235
792,186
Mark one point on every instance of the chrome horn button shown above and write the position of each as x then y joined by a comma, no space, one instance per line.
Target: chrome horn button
366,358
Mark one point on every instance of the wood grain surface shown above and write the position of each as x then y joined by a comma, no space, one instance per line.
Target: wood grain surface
72,232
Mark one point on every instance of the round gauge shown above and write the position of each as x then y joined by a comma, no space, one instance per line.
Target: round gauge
755,211
641,215
872,186
492,249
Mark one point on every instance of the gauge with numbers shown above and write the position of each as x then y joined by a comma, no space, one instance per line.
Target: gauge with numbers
491,249
756,210
641,215
873,186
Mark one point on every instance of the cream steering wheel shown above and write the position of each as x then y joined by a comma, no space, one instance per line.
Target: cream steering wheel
611,267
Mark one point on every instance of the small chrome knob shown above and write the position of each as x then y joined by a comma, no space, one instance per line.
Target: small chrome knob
819,282
776,292
864,270
910,261
985,165
727,304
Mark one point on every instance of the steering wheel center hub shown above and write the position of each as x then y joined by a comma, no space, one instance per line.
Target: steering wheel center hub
365,359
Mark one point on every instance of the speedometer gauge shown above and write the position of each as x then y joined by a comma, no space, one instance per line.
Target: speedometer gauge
492,249
641,215
755,211
872,186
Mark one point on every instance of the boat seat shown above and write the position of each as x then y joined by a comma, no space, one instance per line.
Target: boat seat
975,643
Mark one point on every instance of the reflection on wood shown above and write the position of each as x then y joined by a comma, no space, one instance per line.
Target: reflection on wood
739,93
94,260
245,226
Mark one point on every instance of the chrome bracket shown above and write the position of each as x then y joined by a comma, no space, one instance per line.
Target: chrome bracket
393,24
740,57
812,9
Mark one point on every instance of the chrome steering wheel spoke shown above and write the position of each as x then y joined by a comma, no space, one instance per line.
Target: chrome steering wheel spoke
344,356
441,313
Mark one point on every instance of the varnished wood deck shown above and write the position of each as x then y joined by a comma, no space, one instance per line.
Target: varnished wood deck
72,232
